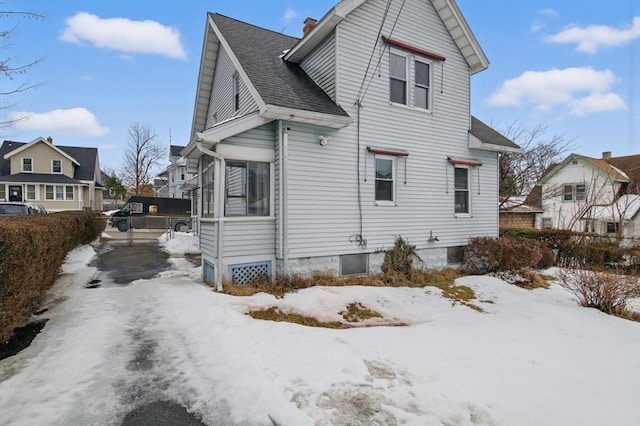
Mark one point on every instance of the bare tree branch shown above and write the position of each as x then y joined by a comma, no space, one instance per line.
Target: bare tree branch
142,158
519,172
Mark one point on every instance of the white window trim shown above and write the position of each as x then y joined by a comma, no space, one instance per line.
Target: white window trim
22,165
410,59
394,176
469,190
61,168
64,193
429,87
574,192
35,192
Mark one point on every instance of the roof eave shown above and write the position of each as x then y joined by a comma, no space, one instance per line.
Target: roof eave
476,143
322,29
467,43
274,112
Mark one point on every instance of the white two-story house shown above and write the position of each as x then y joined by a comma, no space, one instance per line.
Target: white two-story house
585,194
315,153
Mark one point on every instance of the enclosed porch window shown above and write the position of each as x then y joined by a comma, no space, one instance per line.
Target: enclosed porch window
247,189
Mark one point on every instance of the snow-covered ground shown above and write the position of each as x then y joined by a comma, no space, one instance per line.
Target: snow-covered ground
532,358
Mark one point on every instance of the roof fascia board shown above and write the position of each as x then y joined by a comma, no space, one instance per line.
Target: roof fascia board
452,7
35,141
578,157
200,85
476,143
245,78
322,29
275,112
223,131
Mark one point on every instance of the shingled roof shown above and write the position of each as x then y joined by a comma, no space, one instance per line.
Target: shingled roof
278,82
174,150
489,135
86,157
630,165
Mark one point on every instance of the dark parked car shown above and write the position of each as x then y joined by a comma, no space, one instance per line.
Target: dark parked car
16,209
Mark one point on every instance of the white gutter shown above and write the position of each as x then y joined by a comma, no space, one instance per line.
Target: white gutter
284,196
219,212
280,201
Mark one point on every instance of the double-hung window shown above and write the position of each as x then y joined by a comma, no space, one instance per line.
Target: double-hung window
56,166
31,192
247,188
398,78
574,192
27,164
58,192
421,85
462,200
410,80
385,179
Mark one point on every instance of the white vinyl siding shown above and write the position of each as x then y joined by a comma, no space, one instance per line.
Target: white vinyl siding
320,66
221,102
323,217
243,236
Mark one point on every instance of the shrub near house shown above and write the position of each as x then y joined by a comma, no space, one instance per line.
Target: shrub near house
32,250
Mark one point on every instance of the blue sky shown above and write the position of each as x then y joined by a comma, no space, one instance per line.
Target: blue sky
570,65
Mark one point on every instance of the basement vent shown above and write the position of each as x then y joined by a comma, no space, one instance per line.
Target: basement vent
246,273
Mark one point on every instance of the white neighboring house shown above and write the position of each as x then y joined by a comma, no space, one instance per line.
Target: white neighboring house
177,173
315,153
599,195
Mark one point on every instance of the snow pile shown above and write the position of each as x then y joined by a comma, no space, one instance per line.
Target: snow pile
180,243
531,358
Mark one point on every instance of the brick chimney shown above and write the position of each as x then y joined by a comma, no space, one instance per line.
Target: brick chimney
606,155
50,140
309,23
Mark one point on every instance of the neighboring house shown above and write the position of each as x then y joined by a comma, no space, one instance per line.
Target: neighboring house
58,177
315,153
177,173
600,195
160,185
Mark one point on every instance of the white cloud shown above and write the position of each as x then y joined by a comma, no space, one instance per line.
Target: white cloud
536,26
580,90
289,15
124,35
548,12
73,121
592,38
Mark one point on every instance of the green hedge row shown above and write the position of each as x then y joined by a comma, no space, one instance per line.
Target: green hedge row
32,250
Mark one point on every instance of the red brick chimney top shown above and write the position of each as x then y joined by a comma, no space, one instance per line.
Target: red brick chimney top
309,23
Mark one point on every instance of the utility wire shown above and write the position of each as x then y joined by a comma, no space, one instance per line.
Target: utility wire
382,52
373,51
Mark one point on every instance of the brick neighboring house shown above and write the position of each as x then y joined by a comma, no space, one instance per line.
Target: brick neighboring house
58,177
600,195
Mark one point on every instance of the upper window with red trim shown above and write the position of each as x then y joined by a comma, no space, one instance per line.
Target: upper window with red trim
409,79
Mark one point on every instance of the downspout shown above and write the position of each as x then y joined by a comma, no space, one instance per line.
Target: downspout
285,199
219,213
280,201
